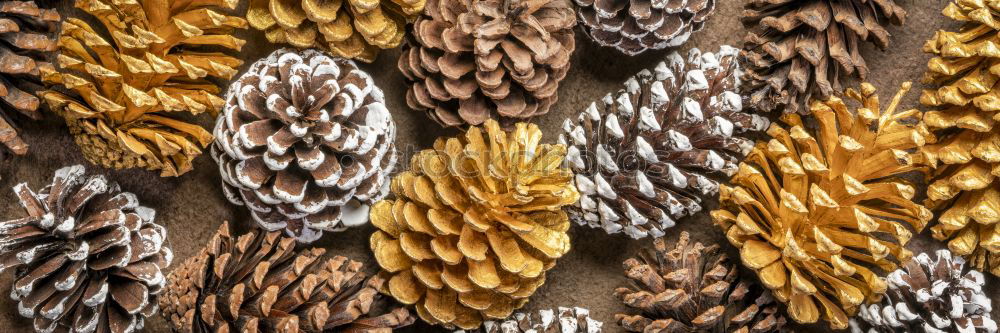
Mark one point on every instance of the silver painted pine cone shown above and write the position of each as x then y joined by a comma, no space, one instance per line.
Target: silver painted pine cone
566,320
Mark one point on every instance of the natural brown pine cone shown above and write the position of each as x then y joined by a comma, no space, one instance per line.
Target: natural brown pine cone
693,288
569,320
797,50
472,60
258,282
348,28
87,258
119,90
306,142
633,27
642,155
29,37
476,223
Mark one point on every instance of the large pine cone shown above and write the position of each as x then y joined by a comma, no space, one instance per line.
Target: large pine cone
797,50
633,27
472,60
930,296
87,258
305,141
816,215
641,155
258,282
569,320
476,224
29,34
118,90
693,288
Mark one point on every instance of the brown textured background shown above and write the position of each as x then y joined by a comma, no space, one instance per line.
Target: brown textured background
192,206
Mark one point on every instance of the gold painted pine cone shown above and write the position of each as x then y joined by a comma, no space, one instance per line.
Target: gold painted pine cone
353,29
566,320
29,33
476,223
633,27
819,216
118,91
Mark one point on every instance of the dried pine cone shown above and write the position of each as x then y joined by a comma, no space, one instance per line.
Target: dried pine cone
258,282
349,28
569,320
305,141
633,27
797,50
641,156
817,216
29,36
479,59
116,89
87,258
930,296
476,224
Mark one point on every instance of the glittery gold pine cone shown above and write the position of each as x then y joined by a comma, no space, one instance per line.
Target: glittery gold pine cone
28,39
476,223
115,90
820,215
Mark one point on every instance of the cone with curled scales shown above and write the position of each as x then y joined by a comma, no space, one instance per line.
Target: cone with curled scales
86,258
634,26
567,320
643,155
306,143
476,223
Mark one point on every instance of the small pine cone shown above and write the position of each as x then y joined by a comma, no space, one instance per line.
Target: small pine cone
353,29
118,90
930,296
306,142
641,155
29,34
476,223
475,60
87,258
570,320
633,27
258,282
797,50
817,213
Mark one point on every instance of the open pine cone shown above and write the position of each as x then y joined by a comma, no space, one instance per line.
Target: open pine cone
817,215
641,155
87,258
29,37
476,223
633,27
798,50
930,296
569,320
258,282
306,142
116,89
478,59
354,29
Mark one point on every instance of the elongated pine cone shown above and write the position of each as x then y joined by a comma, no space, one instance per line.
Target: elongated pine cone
633,27
305,141
568,320
930,296
798,50
116,90
642,155
818,215
472,60
258,282
87,258
476,223
29,39
353,29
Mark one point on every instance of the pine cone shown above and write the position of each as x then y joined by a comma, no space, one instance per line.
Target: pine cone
306,142
474,60
642,176
476,224
798,50
930,296
29,34
816,215
146,67
87,258
570,320
633,27
351,29
287,290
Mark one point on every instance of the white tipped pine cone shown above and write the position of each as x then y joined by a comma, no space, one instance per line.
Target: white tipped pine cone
568,320
306,142
634,26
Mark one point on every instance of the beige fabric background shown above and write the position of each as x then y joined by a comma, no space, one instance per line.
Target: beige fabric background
192,206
